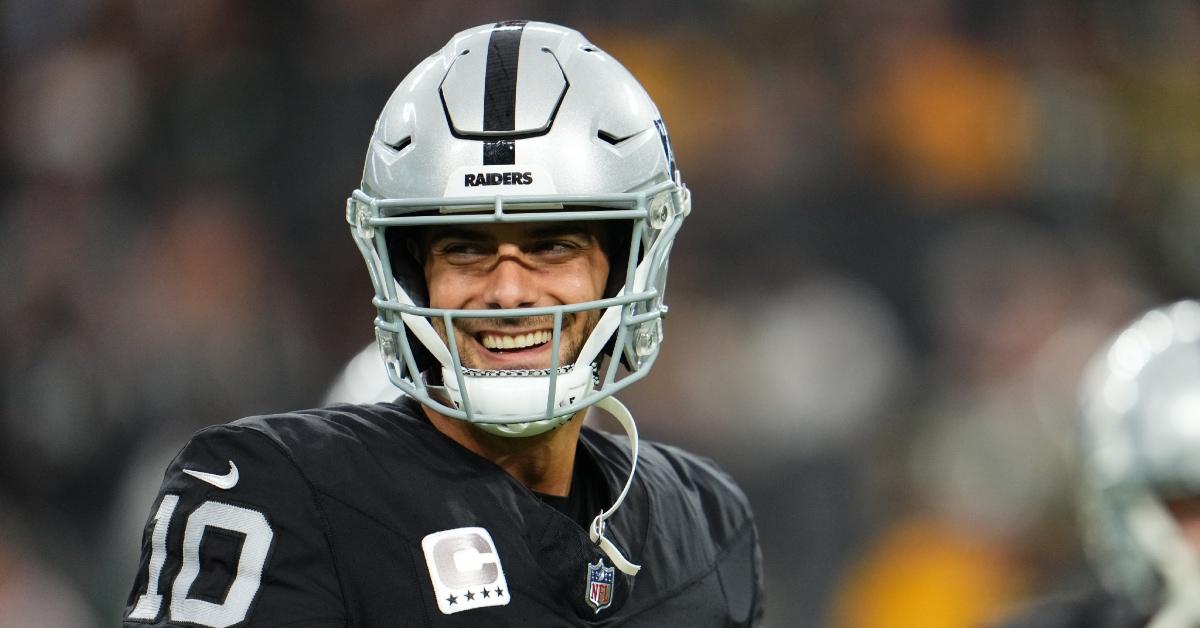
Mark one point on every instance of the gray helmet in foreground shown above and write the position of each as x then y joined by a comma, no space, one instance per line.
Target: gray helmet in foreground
519,122
1141,430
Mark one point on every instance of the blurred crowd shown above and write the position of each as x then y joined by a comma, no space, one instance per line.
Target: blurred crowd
914,221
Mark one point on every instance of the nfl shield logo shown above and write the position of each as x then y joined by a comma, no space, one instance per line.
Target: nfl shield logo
600,585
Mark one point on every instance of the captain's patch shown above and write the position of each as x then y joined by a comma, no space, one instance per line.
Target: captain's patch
465,570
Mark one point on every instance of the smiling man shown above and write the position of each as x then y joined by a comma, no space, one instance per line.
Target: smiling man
517,211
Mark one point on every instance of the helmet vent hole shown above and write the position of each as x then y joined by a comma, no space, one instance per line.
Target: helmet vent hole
399,146
610,138
588,49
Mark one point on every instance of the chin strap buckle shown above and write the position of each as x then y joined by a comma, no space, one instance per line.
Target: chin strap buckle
596,532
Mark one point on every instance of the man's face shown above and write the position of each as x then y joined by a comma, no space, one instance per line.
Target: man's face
515,266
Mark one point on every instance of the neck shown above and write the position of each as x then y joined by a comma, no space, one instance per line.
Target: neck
544,463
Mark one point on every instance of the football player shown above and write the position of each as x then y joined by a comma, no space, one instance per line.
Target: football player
1141,480
516,213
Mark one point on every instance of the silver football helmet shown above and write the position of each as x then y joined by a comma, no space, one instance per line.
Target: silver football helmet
1141,446
518,122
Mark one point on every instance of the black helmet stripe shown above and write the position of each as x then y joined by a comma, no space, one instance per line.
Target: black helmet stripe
500,90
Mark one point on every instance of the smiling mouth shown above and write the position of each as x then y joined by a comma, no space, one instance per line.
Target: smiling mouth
504,343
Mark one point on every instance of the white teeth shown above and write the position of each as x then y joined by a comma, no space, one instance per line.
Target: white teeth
520,341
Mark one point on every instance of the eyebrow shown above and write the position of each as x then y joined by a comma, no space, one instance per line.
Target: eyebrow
562,229
456,233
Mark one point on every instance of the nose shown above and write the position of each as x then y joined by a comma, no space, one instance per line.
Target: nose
511,284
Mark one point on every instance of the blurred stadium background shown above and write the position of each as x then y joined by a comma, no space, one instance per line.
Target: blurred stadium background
914,221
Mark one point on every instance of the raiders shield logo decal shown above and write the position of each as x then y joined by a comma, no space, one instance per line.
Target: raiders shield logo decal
600,585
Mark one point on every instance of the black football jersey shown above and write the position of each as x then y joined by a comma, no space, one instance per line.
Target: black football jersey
367,516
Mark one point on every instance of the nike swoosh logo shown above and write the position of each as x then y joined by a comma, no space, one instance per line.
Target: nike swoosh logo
225,482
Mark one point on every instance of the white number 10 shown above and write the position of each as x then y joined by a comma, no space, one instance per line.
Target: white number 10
249,567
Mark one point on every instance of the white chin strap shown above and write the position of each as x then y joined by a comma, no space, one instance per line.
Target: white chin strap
596,531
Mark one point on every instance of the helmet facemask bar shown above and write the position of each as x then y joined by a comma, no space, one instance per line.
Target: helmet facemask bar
633,314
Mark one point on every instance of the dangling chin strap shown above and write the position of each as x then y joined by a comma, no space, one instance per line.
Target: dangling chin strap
596,531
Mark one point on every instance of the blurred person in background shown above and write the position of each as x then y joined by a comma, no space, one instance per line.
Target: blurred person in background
517,210
1139,486
1014,314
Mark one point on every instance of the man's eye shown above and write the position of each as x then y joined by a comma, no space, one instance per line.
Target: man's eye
556,247
460,251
